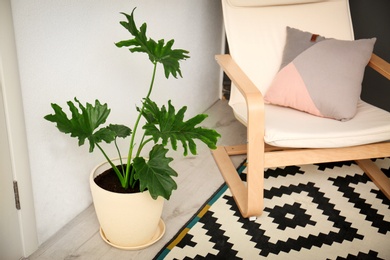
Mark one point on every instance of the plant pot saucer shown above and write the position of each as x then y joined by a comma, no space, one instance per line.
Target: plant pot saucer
159,233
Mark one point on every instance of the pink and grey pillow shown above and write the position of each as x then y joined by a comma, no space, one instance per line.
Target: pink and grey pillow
320,76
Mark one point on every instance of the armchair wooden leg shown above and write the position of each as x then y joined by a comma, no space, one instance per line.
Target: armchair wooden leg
249,198
376,175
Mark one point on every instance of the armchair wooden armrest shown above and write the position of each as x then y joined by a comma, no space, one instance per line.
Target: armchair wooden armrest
238,77
255,138
380,65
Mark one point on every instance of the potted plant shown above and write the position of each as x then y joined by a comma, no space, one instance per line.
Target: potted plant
143,180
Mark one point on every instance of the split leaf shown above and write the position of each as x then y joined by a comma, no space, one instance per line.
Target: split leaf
155,174
167,125
85,121
157,51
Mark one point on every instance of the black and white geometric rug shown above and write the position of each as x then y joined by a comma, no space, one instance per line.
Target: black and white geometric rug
322,211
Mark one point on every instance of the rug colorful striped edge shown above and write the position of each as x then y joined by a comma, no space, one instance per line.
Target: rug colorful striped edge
200,213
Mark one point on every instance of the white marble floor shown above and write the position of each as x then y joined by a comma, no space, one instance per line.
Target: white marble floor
198,179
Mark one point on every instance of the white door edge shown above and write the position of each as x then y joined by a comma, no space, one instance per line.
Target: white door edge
13,106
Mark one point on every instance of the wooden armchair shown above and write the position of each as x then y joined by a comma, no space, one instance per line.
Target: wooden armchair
256,32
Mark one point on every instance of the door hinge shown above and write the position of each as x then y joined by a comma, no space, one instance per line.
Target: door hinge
16,192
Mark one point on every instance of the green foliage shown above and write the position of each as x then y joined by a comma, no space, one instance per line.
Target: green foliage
155,174
83,125
168,125
162,125
157,51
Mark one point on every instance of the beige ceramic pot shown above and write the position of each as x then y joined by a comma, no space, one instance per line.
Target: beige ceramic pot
127,221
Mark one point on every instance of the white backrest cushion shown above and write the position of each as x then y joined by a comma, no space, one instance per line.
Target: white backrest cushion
256,33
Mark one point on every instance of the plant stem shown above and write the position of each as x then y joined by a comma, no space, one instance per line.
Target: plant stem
129,178
152,81
142,144
120,157
118,173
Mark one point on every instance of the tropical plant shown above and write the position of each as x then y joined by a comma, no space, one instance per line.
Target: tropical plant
163,125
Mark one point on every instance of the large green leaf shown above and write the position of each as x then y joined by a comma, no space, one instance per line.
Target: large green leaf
120,130
84,121
155,174
157,51
167,125
110,133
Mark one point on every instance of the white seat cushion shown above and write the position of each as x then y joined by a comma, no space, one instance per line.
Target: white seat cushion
286,127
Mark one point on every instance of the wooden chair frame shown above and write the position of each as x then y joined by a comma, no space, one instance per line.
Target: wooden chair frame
249,197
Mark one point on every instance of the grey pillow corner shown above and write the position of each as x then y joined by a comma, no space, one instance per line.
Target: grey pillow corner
297,41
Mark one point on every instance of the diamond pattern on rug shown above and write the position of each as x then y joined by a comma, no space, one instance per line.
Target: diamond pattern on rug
323,211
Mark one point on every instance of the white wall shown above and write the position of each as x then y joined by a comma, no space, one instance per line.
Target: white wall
66,49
